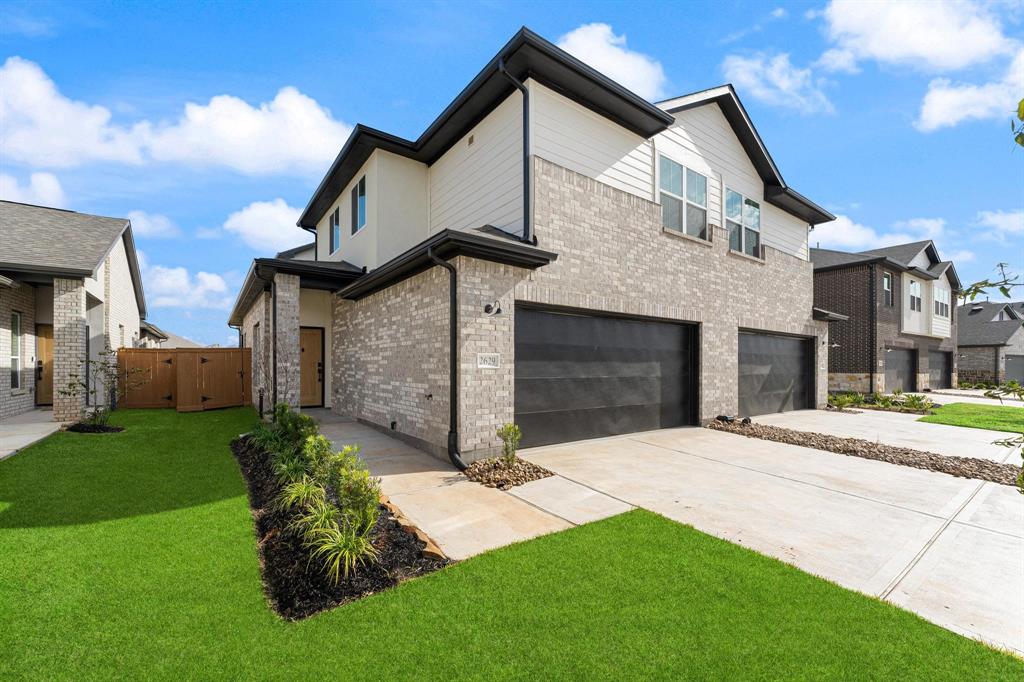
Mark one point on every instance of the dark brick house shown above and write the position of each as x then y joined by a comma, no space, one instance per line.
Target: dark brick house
990,338
902,329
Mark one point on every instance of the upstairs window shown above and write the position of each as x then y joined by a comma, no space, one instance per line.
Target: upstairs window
15,350
684,199
335,225
359,205
743,220
915,295
887,288
942,302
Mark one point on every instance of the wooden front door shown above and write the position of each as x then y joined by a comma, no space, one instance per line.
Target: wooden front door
44,364
311,366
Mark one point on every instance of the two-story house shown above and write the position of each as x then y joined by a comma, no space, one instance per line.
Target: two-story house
69,288
553,251
990,342
901,332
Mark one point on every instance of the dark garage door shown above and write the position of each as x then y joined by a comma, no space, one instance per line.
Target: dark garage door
775,375
940,369
1015,368
580,375
900,370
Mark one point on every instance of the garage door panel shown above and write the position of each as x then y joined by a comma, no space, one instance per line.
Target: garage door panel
940,369
1015,368
583,375
900,370
775,373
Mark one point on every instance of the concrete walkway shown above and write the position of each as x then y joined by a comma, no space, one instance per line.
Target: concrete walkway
974,396
894,428
20,431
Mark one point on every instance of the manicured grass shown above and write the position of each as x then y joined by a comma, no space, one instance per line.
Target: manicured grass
992,417
132,555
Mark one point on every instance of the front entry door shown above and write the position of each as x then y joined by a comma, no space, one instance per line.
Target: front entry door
311,366
44,364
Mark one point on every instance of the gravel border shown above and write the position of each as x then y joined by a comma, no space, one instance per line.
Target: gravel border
494,474
961,467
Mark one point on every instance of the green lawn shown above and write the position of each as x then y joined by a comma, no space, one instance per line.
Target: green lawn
993,417
132,555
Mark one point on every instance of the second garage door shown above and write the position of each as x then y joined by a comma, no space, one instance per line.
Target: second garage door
940,369
775,374
900,370
1015,368
583,375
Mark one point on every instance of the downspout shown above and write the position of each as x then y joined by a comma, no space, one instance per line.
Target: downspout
453,361
874,324
528,236
273,360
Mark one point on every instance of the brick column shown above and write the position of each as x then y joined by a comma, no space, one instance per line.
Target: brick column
68,345
286,338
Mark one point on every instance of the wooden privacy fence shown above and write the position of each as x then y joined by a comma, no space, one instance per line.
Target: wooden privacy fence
188,379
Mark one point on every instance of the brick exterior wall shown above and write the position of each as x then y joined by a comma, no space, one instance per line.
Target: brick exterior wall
848,291
286,338
68,345
256,334
120,309
21,300
980,363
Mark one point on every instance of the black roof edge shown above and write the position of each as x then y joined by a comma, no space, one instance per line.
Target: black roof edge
446,244
294,250
548,64
45,270
312,275
894,264
828,315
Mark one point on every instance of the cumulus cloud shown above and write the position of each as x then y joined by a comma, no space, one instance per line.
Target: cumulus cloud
1003,223
152,225
267,225
176,287
774,80
779,13
932,36
598,46
838,61
947,103
290,134
845,234
42,189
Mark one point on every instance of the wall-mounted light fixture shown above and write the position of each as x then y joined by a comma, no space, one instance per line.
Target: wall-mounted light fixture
834,345
493,308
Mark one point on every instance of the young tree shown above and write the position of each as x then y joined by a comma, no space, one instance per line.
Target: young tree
99,377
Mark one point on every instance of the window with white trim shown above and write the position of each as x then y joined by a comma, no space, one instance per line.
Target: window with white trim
887,288
359,205
942,302
15,350
743,220
684,199
335,226
915,295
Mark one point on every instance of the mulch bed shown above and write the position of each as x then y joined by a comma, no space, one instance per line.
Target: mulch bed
493,473
962,467
297,588
94,428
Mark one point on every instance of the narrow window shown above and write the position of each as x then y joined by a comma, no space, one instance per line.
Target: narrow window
15,350
335,224
743,220
359,205
887,288
915,296
684,199
942,302
120,330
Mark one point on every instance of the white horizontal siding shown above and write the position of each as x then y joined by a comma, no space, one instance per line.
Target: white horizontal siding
482,183
576,138
940,324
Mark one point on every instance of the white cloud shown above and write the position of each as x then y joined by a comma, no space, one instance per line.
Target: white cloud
779,13
598,46
168,287
924,228
267,225
43,189
152,225
1004,223
838,61
42,127
961,256
775,81
934,36
947,104
844,234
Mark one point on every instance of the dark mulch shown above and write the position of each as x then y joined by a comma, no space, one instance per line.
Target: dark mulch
493,473
963,467
95,428
296,587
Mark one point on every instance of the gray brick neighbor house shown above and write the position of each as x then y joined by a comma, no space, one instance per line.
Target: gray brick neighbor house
991,342
901,332
69,287
555,251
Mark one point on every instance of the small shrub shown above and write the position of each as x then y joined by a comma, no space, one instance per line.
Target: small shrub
341,549
917,402
510,435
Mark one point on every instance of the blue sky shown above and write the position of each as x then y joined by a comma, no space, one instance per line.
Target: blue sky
210,124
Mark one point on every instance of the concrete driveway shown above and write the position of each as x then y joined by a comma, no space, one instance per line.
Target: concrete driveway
950,549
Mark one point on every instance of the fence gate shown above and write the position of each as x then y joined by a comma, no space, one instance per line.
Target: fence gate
188,379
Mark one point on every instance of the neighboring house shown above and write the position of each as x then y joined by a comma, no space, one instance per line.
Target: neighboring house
990,341
154,337
615,266
901,333
69,288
